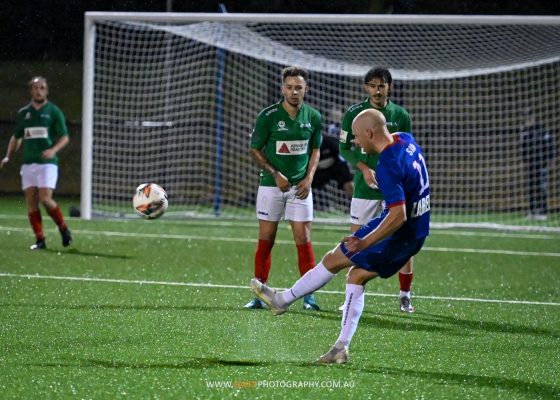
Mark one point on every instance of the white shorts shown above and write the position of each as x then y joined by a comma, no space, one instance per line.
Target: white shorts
273,205
39,175
362,210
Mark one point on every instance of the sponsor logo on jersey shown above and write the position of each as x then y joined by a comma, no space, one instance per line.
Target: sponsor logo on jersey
282,126
39,132
27,115
305,125
343,136
291,147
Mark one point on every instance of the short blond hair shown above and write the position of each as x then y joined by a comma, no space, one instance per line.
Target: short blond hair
36,79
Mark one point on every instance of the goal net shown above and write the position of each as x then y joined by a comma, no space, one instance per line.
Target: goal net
172,98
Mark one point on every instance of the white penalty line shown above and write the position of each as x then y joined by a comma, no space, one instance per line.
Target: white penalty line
280,241
220,286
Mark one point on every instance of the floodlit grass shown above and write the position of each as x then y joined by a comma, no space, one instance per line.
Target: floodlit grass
153,309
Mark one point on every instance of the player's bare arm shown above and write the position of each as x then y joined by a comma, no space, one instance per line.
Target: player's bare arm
261,160
368,174
391,223
13,145
51,152
304,187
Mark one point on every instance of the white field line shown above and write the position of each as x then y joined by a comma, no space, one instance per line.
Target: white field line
219,286
279,241
434,230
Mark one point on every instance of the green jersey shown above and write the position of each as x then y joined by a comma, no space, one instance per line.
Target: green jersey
287,143
398,120
40,130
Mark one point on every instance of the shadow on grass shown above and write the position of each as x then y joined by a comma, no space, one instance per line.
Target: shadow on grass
192,363
425,322
463,326
527,388
123,307
532,390
420,322
77,252
405,324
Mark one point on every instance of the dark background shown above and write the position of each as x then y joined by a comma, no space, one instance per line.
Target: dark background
53,29
45,37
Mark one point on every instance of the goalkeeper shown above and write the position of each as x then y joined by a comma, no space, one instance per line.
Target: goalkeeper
285,144
367,200
42,129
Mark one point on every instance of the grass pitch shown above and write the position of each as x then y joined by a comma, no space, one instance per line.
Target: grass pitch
153,309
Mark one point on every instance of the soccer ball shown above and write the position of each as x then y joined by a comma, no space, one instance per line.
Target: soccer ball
150,201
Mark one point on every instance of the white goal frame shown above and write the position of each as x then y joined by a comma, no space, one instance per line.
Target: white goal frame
89,57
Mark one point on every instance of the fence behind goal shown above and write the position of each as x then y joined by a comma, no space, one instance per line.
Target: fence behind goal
171,98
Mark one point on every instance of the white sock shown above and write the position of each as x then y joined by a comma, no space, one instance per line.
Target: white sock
353,308
313,279
404,294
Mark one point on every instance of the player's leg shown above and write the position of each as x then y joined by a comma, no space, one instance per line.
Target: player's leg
34,216
300,214
542,195
533,187
383,259
306,257
29,186
314,279
353,308
47,178
405,280
270,208
361,212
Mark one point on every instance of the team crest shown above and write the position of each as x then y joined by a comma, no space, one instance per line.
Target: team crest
27,115
282,126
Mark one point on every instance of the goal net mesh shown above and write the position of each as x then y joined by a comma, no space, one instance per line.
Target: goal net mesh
175,104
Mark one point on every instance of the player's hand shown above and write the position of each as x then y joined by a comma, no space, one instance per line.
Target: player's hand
302,189
282,182
48,154
4,161
353,243
370,178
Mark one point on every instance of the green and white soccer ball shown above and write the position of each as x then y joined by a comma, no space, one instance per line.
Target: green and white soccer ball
150,201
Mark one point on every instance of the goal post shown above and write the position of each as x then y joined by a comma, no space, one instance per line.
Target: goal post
171,98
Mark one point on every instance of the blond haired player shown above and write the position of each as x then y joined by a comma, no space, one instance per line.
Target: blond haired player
285,145
41,128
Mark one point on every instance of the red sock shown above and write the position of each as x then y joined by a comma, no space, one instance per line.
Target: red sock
56,215
306,258
263,259
406,281
36,224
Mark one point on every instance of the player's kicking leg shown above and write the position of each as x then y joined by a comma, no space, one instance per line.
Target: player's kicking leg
268,296
313,280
